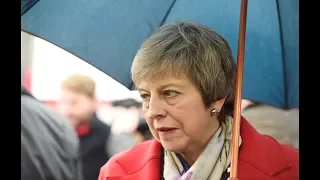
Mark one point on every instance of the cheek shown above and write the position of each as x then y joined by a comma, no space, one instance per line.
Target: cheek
154,133
193,120
151,127
150,124
84,107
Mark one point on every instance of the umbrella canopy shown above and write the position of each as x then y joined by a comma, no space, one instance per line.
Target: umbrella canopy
107,34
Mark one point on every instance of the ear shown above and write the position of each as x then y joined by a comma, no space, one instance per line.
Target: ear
218,104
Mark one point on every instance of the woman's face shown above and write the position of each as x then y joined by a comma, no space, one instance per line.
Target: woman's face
175,113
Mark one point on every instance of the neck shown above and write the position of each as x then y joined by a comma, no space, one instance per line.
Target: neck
191,155
84,120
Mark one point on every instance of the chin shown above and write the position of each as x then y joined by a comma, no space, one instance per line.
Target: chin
173,146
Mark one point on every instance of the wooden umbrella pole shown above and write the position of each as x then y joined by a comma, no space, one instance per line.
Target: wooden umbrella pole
238,92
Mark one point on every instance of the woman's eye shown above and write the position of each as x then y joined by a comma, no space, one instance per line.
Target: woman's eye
144,96
170,93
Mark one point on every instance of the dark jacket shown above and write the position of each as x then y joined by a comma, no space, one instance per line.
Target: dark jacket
49,144
93,148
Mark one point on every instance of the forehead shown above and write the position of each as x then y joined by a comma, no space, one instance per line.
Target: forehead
68,94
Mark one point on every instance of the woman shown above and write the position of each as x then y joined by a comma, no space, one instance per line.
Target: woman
185,74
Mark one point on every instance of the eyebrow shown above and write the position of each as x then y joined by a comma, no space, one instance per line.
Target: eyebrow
164,86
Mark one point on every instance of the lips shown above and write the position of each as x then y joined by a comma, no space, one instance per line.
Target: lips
165,130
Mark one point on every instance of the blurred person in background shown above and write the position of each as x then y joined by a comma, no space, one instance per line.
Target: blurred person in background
127,118
78,104
129,129
49,144
143,132
281,124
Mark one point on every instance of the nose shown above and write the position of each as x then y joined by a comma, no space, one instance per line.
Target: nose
156,108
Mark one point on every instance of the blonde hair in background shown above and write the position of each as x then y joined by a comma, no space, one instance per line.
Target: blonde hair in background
80,83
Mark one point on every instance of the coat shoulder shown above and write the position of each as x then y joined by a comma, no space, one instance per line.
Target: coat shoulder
291,153
132,160
262,156
292,156
112,168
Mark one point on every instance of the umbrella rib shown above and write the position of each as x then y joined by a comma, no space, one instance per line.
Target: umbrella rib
24,10
168,12
283,56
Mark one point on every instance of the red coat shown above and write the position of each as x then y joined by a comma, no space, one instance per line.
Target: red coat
260,158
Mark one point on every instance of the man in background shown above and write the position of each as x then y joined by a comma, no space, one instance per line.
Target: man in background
78,104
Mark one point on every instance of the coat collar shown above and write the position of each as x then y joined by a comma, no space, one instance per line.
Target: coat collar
152,151
254,150
85,128
257,148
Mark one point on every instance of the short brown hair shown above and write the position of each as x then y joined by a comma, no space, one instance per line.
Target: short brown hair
195,50
80,83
